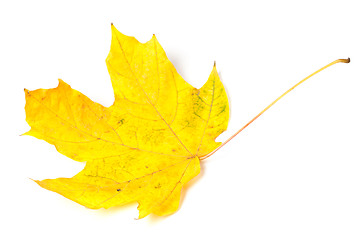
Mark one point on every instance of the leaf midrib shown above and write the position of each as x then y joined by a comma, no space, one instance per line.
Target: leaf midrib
96,138
148,99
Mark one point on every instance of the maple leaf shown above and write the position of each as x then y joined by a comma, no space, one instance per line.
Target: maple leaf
146,146
149,143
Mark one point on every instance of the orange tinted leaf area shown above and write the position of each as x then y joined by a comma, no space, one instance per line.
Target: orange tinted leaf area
147,145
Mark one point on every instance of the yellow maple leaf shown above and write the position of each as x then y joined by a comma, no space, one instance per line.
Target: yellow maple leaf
146,146
149,143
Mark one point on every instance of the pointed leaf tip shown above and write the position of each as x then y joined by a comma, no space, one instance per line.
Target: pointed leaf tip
23,134
112,27
60,82
27,133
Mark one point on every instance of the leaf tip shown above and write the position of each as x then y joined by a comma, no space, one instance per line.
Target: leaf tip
62,83
214,68
113,28
37,181
26,133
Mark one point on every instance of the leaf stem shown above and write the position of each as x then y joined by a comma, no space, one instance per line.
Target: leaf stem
270,105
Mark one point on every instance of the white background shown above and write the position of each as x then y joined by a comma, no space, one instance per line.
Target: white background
295,173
